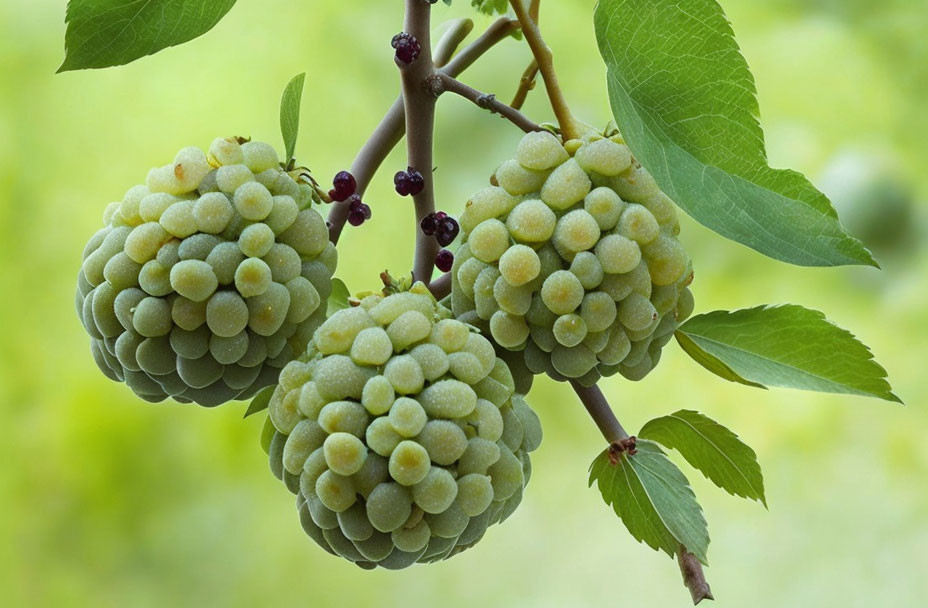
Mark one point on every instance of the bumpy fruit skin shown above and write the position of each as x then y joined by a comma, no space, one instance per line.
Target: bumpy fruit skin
401,433
207,280
571,260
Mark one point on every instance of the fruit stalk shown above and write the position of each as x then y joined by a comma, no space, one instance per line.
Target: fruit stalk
598,407
545,59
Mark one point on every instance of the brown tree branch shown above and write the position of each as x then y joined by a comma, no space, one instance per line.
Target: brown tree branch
419,104
441,83
610,427
392,127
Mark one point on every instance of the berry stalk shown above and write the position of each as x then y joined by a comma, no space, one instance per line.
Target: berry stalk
545,59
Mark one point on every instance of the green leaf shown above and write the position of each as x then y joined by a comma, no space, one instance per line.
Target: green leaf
490,7
787,346
338,299
260,401
290,113
711,363
712,449
685,100
104,33
267,435
653,499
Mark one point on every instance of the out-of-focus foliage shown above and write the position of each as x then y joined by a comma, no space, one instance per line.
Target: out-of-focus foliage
105,501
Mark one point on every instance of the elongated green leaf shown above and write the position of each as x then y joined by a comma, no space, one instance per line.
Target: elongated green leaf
104,33
713,364
259,402
653,499
338,299
712,449
290,113
787,346
685,100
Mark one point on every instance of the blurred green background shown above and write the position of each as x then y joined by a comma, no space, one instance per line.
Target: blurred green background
108,501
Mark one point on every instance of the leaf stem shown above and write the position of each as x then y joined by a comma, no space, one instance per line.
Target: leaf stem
598,407
545,59
441,83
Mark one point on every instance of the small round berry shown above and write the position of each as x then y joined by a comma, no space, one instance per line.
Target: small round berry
447,231
356,217
366,210
401,183
415,181
344,185
429,224
354,202
444,260
407,47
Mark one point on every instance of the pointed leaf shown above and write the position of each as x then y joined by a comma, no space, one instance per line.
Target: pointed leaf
290,113
712,449
104,33
787,346
685,100
713,364
338,299
260,401
653,499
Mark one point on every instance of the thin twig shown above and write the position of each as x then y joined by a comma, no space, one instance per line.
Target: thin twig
526,84
420,126
693,576
441,286
393,125
442,82
545,60
598,407
457,31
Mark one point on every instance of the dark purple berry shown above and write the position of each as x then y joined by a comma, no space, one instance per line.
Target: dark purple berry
344,185
354,202
447,231
366,210
444,260
356,217
401,182
429,224
415,180
441,215
407,47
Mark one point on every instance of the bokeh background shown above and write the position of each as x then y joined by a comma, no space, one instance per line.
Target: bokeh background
108,501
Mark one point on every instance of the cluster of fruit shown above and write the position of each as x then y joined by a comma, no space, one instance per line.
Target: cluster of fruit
400,432
572,258
209,278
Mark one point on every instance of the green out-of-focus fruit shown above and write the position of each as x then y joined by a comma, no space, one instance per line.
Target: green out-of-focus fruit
401,433
571,262
207,280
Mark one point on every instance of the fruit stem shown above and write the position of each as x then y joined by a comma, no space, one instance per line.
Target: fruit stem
419,104
441,83
441,286
392,127
598,407
545,59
